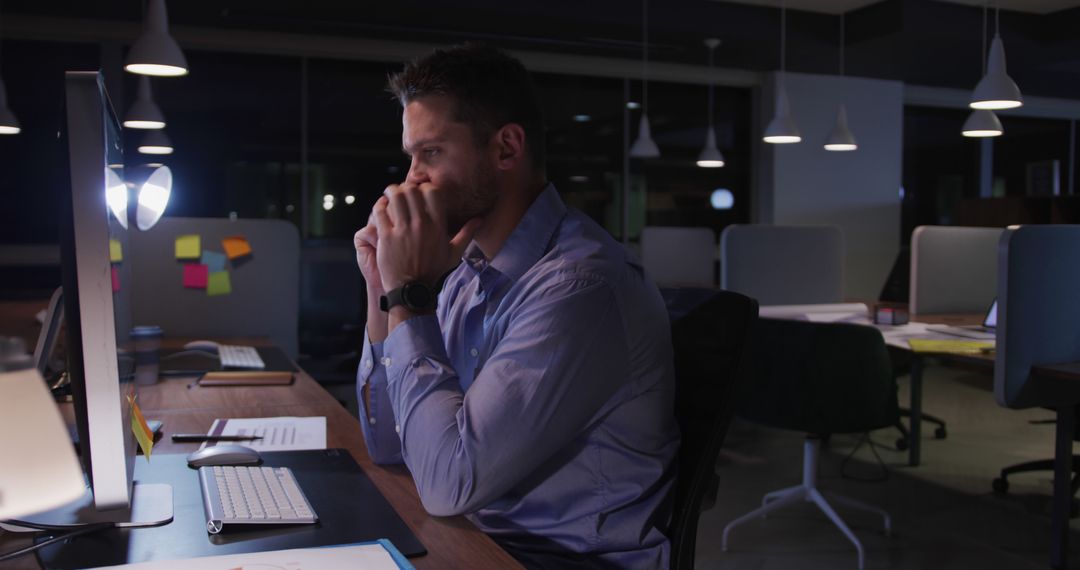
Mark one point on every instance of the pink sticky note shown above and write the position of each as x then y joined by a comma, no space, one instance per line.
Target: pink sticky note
195,275
115,280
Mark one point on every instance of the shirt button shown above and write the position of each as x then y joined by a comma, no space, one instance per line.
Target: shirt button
371,420
397,428
386,361
473,351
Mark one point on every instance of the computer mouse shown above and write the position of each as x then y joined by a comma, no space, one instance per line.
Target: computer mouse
226,454
207,345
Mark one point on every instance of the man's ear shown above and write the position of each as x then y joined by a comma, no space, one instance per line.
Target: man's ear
509,144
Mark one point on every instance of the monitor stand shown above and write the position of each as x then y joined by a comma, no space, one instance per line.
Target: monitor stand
151,505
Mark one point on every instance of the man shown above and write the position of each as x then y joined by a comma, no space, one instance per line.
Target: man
536,395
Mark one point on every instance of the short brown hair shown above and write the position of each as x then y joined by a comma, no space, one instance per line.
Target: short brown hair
487,87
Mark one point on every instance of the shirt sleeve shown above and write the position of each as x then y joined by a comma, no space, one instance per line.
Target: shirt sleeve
377,423
563,355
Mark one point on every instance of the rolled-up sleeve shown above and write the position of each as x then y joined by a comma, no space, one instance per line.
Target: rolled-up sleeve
564,354
376,419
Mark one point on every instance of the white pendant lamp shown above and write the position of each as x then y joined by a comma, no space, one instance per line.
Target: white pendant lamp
144,114
710,156
156,52
782,129
644,147
982,123
9,123
841,139
156,142
996,90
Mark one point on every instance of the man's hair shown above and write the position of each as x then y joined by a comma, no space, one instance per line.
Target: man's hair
487,89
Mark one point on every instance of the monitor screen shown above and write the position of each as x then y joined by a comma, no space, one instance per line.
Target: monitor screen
990,321
97,291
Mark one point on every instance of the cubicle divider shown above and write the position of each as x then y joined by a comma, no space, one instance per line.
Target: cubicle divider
783,265
953,269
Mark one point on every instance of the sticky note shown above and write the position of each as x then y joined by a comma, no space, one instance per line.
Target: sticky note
214,260
236,246
140,428
188,247
195,275
219,284
116,253
115,279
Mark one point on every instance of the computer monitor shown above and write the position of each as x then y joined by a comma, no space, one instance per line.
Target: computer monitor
97,287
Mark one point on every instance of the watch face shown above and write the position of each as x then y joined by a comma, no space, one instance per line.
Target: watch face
418,296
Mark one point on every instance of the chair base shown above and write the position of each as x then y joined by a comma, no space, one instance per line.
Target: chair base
1001,484
808,491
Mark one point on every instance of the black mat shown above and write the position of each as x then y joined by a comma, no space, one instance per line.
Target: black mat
349,507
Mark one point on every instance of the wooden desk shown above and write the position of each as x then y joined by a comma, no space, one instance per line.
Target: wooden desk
184,407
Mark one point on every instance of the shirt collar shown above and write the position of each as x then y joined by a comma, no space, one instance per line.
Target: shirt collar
529,240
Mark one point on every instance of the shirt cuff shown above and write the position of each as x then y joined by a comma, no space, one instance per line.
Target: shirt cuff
411,340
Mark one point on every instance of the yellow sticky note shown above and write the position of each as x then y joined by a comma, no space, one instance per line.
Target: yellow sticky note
188,247
218,284
236,246
140,428
116,252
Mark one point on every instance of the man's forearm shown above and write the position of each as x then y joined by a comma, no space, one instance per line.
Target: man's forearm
376,318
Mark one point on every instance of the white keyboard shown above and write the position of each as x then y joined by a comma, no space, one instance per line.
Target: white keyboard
233,356
252,495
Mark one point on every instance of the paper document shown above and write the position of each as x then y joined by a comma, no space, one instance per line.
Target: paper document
278,434
951,346
353,557
823,312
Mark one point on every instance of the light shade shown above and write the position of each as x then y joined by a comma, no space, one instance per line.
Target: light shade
156,52
841,139
144,114
782,129
982,123
644,147
116,196
9,124
42,480
153,197
996,90
156,142
710,156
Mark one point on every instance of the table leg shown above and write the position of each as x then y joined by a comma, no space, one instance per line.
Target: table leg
915,428
1059,522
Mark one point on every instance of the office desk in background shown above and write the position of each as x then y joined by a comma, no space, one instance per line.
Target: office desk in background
183,407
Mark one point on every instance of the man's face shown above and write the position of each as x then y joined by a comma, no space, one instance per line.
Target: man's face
444,153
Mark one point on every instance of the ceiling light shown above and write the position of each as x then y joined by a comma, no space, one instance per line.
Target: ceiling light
633,105
982,123
996,90
144,114
349,198
782,129
328,205
579,178
722,199
116,196
153,197
644,147
9,124
710,156
841,139
156,142
156,52
582,118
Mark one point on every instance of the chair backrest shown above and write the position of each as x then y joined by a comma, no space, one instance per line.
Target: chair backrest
679,257
264,297
819,378
783,265
1038,313
711,346
953,269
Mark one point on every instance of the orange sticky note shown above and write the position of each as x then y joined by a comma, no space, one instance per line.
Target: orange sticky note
236,246
140,428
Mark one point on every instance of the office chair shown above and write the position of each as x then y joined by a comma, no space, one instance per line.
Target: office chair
711,350
821,379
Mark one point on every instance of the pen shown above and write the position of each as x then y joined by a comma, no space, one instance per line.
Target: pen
204,437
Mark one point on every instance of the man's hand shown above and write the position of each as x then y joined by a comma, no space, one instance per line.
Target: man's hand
413,244
366,242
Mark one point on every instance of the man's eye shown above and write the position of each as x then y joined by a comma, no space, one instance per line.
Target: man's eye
430,152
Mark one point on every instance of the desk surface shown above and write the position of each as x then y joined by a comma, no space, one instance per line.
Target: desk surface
183,407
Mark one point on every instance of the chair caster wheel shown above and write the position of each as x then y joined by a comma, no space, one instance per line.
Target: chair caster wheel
940,433
1001,486
901,444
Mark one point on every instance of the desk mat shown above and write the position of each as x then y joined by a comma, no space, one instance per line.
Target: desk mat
349,506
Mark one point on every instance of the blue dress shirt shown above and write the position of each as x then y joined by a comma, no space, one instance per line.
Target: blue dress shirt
539,399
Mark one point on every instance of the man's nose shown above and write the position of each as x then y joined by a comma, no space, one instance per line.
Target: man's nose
417,173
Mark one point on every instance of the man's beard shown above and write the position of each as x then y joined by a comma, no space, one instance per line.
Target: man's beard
478,197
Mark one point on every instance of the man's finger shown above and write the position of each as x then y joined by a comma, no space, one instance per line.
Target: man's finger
464,236
383,224
417,212
399,207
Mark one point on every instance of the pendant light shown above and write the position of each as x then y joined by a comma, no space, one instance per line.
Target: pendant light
782,129
156,142
710,156
144,114
156,52
9,124
644,147
996,90
841,139
982,123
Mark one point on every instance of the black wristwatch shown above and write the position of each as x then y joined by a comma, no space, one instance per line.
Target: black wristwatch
416,296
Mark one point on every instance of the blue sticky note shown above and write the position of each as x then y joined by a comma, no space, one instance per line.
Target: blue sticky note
213,260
